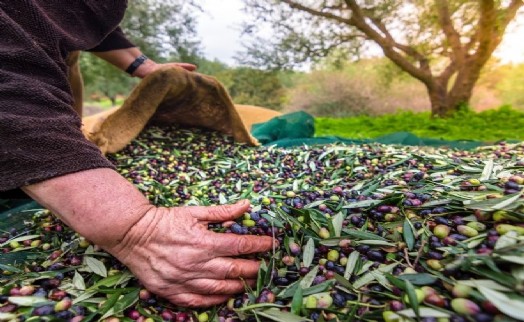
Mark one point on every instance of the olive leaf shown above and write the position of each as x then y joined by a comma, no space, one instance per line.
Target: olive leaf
412,296
362,204
309,277
123,303
369,277
407,232
296,303
484,283
78,281
364,235
507,305
19,239
424,312
335,224
107,308
96,266
309,252
343,281
281,316
487,171
29,300
504,203
351,264
419,279
7,316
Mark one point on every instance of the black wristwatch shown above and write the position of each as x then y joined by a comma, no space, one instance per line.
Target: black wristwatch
136,63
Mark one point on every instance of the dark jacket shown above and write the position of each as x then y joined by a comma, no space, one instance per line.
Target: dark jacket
40,135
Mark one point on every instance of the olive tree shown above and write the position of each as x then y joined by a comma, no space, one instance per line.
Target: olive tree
442,43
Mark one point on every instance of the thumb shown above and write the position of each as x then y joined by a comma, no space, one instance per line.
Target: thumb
220,213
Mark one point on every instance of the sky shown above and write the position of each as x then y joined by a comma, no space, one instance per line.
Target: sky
219,30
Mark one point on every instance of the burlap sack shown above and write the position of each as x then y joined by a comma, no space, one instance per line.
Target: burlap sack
174,96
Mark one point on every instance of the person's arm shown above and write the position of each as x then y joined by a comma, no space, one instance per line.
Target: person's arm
171,250
122,58
120,52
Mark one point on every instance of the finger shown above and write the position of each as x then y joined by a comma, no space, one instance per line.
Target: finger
220,213
197,300
232,268
186,66
234,245
218,287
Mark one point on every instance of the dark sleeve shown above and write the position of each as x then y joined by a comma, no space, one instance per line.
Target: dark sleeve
40,136
115,40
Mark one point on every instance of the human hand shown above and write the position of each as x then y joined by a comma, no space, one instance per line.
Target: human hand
176,257
150,66
170,250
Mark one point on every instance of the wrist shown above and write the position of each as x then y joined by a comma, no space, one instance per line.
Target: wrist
146,68
132,67
137,234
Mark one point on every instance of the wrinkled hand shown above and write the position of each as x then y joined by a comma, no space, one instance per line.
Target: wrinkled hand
150,66
176,257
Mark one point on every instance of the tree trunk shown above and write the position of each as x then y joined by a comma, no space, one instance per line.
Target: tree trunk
438,98
444,101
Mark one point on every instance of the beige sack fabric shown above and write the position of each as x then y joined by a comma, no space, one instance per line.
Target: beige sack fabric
174,96
250,114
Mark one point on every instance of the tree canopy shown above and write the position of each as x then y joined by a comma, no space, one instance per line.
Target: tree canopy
442,43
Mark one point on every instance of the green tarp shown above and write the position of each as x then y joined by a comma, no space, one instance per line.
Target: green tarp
13,213
297,128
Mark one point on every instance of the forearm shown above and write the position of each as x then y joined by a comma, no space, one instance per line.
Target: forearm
122,58
99,204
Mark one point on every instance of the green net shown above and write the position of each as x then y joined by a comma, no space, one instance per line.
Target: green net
13,213
297,128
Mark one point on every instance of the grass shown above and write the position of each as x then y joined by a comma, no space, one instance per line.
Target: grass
504,123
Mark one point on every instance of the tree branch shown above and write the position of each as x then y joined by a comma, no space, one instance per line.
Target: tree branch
487,21
314,12
406,49
452,36
451,69
491,27
510,12
388,45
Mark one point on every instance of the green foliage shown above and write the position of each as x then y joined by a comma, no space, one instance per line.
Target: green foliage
256,87
210,67
102,79
247,85
504,123
163,30
511,85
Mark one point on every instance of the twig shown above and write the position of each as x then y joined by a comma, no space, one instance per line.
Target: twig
420,250
406,256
